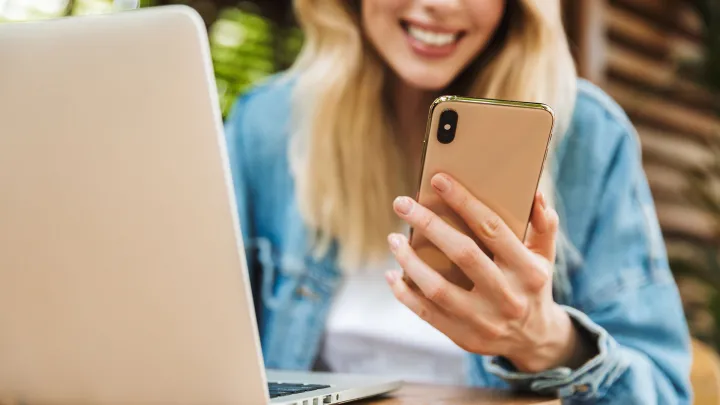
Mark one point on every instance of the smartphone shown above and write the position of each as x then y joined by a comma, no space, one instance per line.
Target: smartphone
497,150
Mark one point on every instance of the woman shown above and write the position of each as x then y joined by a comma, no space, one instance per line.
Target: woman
586,308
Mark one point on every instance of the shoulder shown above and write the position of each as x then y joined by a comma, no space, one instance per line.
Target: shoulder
269,98
599,149
260,117
598,123
598,129
593,101
257,131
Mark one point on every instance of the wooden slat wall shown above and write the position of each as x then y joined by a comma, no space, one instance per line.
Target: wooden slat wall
644,40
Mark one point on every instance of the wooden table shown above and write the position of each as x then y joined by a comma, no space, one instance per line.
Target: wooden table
440,395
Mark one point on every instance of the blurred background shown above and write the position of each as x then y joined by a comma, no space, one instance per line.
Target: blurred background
660,59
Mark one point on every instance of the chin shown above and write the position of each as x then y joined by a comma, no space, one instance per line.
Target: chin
427,81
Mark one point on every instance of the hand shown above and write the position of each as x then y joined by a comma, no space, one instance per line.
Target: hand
510,311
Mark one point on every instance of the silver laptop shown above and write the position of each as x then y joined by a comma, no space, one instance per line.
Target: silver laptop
123,278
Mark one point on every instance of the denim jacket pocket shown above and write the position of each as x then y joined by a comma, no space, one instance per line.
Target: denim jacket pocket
273,270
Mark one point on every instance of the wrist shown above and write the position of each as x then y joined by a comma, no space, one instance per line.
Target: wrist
560,347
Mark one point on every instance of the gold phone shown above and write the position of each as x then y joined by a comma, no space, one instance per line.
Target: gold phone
497,150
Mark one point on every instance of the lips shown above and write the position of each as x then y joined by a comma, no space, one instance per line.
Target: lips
431,41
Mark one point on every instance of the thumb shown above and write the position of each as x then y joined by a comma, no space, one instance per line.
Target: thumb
543,229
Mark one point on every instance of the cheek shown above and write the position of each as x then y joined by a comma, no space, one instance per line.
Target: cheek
486,15
379,21
376,14
381,26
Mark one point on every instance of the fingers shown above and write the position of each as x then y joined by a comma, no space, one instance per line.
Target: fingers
420,305
459,248
543,229
459,331
454,300
433,286
484,222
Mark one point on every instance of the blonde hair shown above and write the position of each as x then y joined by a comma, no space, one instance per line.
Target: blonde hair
347,166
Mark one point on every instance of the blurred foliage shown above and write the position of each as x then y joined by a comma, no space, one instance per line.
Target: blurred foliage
23,10
246,46
698,274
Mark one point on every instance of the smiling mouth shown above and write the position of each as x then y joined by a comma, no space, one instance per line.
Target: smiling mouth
429,37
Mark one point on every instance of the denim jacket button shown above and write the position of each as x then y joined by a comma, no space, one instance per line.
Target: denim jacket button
305,292
582,388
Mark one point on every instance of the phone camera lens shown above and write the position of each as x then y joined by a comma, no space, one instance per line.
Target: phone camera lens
447,126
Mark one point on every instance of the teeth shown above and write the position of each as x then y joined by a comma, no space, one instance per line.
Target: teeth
431,38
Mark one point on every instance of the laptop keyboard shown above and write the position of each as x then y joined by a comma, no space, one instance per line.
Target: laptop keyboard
283,389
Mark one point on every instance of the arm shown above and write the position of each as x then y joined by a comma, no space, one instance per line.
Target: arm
236,139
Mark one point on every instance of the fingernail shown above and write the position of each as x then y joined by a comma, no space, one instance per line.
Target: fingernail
441,183
391,276
394,240
542,201
403,205
550,212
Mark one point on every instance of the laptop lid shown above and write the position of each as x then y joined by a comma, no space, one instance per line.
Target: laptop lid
122,274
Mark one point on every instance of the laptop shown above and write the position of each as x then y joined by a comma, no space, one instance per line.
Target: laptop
123,278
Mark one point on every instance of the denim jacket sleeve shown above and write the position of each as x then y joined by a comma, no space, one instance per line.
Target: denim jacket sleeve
623,294
239,135
239,165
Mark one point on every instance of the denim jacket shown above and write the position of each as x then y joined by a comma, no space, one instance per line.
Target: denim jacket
617,286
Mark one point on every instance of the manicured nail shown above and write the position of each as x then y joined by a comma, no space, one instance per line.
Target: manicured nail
394,240
550,212
403,205
440,182
541,200
391,276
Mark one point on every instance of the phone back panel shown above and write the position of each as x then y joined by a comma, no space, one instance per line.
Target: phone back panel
498,154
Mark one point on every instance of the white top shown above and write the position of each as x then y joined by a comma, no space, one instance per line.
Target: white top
370,332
